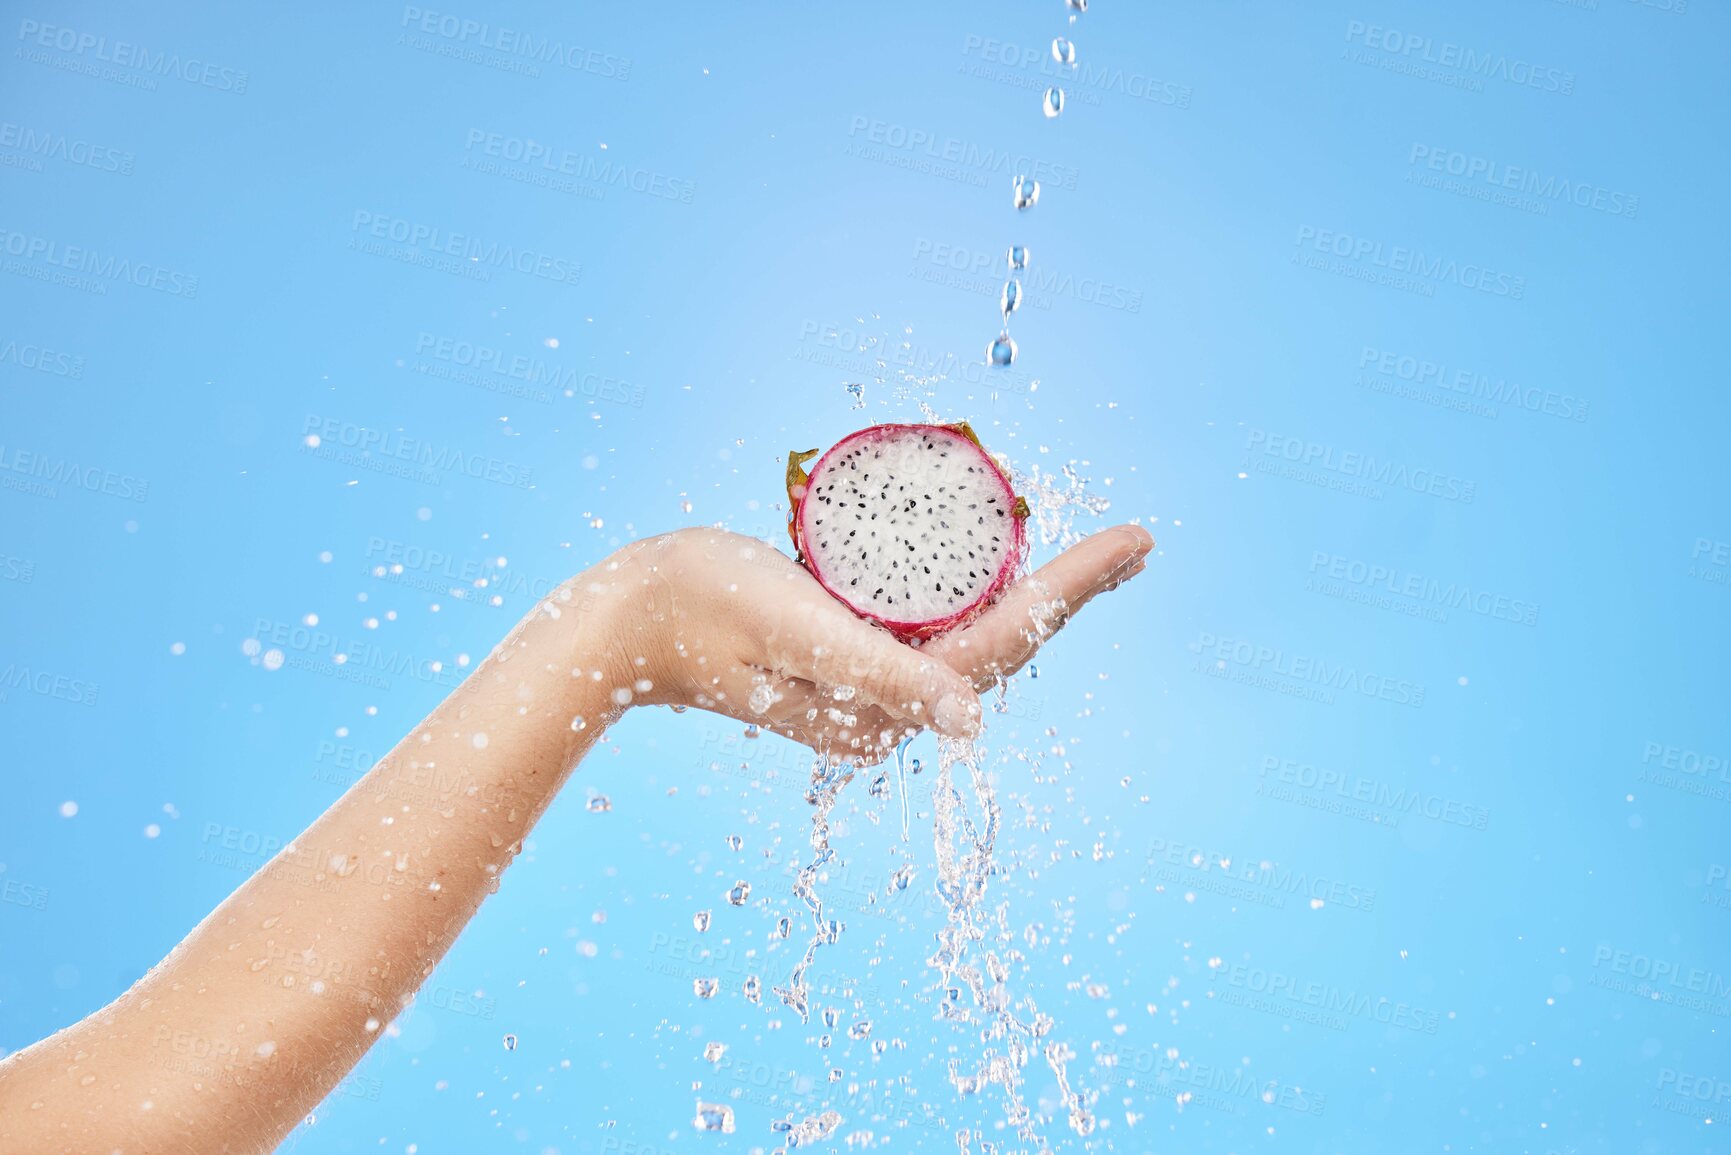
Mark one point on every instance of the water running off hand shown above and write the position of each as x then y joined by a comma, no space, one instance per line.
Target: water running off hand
967,961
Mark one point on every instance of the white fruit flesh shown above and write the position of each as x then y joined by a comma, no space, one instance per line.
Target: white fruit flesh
911,524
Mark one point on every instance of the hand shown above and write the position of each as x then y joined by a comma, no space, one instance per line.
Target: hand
712,619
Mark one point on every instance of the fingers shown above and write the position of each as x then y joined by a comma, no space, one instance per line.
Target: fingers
816,638
1003,639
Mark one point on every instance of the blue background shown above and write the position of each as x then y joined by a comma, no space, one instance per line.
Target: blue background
1545,830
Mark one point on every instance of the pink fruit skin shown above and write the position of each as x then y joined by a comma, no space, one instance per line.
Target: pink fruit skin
919,631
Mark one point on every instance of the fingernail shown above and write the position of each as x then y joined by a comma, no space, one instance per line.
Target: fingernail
956,718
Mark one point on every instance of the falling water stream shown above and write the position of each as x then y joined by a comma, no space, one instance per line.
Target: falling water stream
976,949
1024,195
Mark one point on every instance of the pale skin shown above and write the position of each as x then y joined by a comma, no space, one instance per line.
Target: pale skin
261,1010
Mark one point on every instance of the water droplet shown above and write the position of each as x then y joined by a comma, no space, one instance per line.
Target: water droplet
813,1129
578,724
1077,5
860,1029
760,700
1017,258
740,892
510,1042
700,920
1026,192
714,1051
1052,105
1033,670
1011,298
753,730
1063,51
600,804
1002,351
734,842
914,766
714,1117
857,392
705,988
783,928
753,989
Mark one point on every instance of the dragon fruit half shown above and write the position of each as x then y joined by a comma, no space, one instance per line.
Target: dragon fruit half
914,527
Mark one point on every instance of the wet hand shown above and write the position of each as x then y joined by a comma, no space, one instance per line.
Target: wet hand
706,618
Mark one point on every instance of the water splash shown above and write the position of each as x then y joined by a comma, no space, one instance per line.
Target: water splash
1056,499
975,950
828,776
714,1117
812,1129
902,780
1058,1056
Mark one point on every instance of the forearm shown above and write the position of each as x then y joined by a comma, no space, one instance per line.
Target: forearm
264,1007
